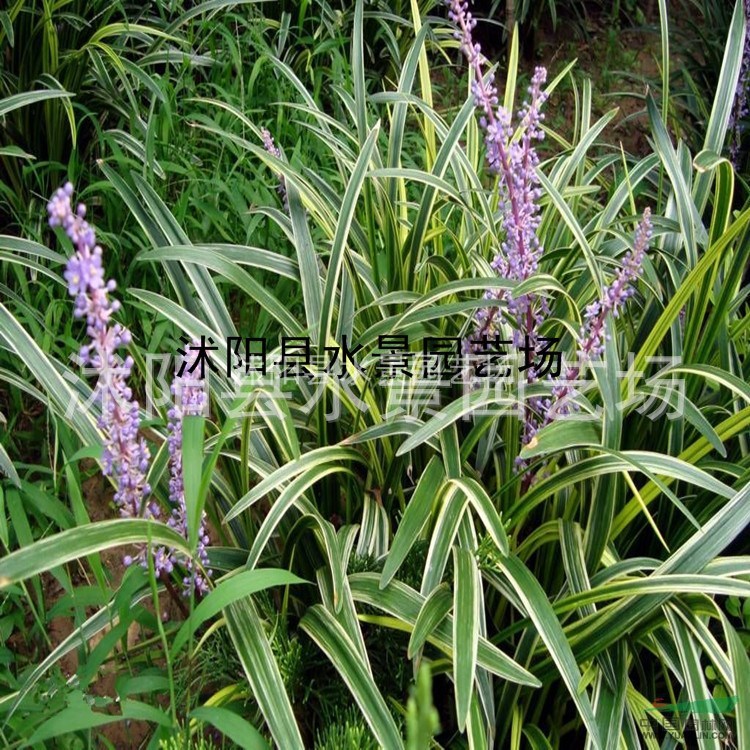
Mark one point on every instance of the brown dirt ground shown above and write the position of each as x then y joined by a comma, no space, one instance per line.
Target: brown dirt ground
122,734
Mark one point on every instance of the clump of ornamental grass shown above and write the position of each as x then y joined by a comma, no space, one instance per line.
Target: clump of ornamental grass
126,456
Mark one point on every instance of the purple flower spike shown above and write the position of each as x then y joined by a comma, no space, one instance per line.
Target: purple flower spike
126,457
741,107
593,334
515,161
272,148
189,399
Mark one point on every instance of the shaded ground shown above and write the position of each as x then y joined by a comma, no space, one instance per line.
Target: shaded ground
122,734
619,76
622,62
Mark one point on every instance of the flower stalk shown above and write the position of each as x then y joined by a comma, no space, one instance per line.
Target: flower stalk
515,161
188,389
273,149
126,457
593,334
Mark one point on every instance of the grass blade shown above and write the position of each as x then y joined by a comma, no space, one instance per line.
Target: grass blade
231,725
466,615
78,542
322,627
262,672
539,610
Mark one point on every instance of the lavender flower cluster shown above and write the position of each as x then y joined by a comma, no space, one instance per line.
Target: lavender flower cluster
593,333
126,456
189,399
273,149
614,296
741,107
515,161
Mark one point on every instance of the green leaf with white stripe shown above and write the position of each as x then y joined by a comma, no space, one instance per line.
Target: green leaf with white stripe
538,608
254,651
58,549
330,636
345,220
434,610
405,604
466,613
418,511
482,504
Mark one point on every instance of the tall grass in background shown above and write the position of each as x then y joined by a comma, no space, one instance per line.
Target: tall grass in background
359,560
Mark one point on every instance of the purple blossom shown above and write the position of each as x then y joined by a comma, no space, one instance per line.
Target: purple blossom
614,296
515,161
189,399
593,333
126,457
272,148
741,107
